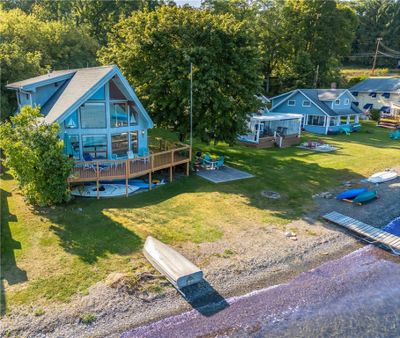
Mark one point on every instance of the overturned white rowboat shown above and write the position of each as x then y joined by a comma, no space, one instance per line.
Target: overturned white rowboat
176,268
383,176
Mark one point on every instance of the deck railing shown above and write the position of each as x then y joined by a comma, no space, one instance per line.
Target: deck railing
97,170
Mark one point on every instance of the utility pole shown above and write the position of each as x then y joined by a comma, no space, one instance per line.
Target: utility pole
378,41
191,106
316,77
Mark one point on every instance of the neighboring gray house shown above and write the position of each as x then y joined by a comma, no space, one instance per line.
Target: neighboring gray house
98,111
381,93
325,111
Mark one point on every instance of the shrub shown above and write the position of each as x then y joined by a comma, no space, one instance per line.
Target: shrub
34,155
375,114
87,318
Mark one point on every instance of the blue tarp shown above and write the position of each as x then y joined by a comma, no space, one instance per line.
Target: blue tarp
393,227
354,93
368,106
385,109
386,95
372,94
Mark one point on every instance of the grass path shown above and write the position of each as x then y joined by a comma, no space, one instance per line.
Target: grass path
51,254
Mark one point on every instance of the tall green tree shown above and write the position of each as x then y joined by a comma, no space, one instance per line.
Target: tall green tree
34,155
377,19
30,47
155,49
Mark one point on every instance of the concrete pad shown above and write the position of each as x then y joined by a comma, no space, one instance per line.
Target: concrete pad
225,174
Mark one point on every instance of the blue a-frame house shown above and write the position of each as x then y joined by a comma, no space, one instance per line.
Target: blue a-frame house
98,111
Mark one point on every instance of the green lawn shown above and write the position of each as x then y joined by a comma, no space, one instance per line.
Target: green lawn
50,254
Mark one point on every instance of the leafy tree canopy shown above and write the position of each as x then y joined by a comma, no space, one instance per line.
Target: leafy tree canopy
155,49
30,47
35,157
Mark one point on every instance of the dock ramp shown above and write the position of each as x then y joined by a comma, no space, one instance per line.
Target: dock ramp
372,234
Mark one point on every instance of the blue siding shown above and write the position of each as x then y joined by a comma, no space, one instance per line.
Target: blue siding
315,129
298,108
275,101
43,94
99,95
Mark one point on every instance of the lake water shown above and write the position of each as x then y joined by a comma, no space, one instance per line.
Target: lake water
355,296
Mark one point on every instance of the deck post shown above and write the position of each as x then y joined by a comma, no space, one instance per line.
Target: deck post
170,168
97,179
150,181
127,171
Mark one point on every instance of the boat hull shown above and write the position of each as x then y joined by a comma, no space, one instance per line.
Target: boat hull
351,193
365,197
105,190
383,176
170,263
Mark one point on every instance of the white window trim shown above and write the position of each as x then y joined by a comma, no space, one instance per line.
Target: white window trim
291,105
346,102
337,102
306,105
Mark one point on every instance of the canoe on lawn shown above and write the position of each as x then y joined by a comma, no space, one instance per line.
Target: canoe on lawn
365,197
177,269
351,193
105,190
382,176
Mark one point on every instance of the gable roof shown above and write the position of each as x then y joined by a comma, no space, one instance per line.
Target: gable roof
80,85
83,82
321,98
378,84
32,83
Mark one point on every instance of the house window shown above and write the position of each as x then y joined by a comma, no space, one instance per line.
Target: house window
333,121
133,115
291,103
71,122
93,115
314,120
337,102
119,114
115,93
95,146
346,102
71,146
134,141
306,103
119,145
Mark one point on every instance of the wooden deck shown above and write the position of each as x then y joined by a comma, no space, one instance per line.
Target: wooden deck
371,233
102,170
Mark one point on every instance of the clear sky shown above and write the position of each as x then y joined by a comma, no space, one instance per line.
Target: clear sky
194,3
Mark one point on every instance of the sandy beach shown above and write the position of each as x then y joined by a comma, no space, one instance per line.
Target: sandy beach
238,264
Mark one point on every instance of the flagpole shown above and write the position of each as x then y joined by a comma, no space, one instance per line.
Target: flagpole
191,106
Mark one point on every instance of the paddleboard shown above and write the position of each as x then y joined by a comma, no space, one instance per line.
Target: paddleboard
351,193
382,176
105,190
365,197
393,227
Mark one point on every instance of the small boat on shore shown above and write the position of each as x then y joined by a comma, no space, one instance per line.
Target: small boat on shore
351,193
365,197
176,268
105,190
382,176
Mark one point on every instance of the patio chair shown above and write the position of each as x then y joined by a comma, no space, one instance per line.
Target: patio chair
88,158
218,164
395,135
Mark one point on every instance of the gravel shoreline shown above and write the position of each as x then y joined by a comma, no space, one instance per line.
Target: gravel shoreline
239,263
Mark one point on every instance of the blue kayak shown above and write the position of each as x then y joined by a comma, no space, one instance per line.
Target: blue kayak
351,193
393,227
365,197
